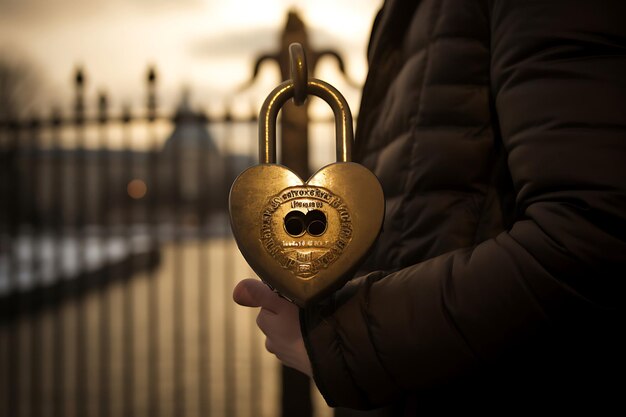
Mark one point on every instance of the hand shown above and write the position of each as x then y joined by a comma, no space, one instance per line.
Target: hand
278,320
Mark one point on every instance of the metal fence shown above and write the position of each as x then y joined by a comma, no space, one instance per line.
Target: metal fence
117,266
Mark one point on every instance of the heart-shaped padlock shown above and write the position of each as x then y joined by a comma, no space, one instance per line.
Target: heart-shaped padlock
305,239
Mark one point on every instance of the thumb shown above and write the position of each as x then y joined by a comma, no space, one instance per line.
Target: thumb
254,293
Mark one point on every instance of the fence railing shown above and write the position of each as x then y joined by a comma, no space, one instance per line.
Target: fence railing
117,266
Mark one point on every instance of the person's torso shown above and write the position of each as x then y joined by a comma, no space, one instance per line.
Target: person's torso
428,130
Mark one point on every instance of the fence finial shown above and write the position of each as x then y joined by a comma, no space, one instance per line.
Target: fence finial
103,107
79,97
151,101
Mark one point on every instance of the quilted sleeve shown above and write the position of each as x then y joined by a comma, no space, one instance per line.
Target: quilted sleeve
554,279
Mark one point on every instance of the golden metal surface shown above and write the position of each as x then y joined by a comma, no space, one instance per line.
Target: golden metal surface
305,238
279,96
299,73
306,268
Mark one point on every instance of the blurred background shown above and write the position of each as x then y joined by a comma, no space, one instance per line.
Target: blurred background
122,125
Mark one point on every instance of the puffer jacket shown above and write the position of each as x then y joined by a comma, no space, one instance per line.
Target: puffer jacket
498,131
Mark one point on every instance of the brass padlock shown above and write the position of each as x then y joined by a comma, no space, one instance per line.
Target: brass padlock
305,239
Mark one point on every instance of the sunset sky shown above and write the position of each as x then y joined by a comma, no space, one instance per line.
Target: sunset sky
207,45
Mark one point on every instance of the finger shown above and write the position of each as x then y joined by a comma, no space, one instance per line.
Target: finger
263,320
254,293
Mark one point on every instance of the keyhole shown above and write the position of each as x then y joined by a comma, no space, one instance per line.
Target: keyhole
314,222
294,223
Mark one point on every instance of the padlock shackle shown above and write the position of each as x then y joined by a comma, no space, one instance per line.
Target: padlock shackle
279,96
299,73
